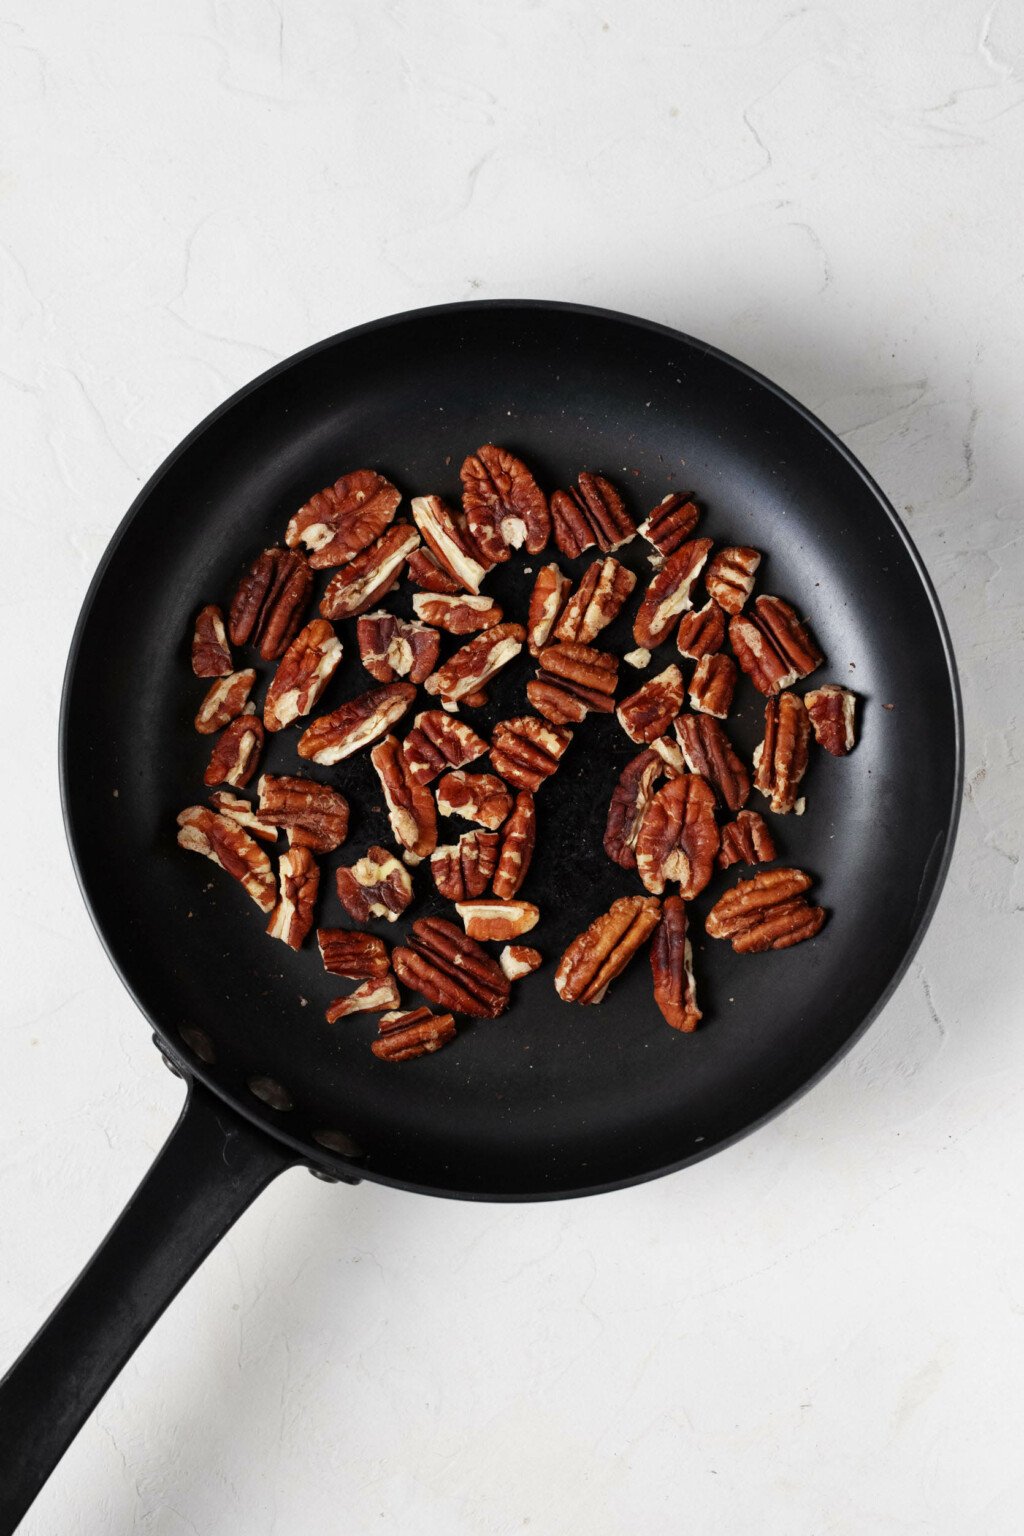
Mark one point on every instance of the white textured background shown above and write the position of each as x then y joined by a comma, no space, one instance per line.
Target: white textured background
820,1330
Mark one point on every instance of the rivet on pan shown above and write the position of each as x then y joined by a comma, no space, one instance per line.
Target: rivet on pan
168,1063
337,1141
328,1178
271,1093
198,1041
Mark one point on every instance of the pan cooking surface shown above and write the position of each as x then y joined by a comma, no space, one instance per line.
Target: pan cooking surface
550,1098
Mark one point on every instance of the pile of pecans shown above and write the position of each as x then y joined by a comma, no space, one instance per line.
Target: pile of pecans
677,813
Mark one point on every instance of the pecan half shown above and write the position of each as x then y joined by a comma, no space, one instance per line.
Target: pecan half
603,590
526,751
225,699
370,575
832,710
465,613
519,960
479,797
550,590
669,593
746,840
592,512
730,577
505,507
303,673
678,837
602,952
363,719
299,882
437,742
517,844
346,952
712,686
344,518
377,885
573,681
675,991
630,799
315,816
448,967
475,663
780,760
649,711
772,646
424,572
222,840
391,647
410,805
768,912
701,632
464,868
369,997
670,524
417,1032
210,654
236,753
242,811
497,920
709,752
267,608
450,542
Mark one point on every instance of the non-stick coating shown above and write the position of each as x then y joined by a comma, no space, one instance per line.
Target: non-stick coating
550,1099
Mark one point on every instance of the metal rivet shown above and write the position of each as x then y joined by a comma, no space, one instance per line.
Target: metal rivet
199,1042
271,1092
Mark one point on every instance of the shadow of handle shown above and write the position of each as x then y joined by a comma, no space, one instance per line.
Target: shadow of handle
212,1166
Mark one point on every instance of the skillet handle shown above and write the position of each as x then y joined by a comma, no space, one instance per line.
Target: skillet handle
212,1166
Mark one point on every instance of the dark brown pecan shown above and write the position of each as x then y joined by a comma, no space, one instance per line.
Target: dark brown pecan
768,912
497,921
357,723
303,673
424,572
505,507
670,524
599,598
678,837
222,840
526,751
746,840
592,512
410,805
299,882
391,647
377,885
772,646
475,663
675,991
344,518
730,577
370,575
245,814
709,752
210,654
602,952
669,593
452,970
630,799
517,844
450,542
464,613
573,681
712,686
271,598
225,699
464,868
780,760
438,741
417,1032
479,797
347,952
649,711
550,589
315,816
832,710
701,632
236,754
519,960
369,997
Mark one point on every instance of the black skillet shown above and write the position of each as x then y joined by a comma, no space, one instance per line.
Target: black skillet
551,1100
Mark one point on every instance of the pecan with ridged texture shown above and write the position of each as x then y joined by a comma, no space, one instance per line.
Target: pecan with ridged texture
362,720
370,575
343,518
668,594
391,647
377,885
236,753
303,673
678,837
517,843
424,572
832,710
267,608
210,654
315,816
475,663
410,805
447,536
519,960
452,970
225,699
298,884
464,613
592,512
464,868
772,646
547,599
479,797
527,750
630,799
730,576
701,632
709,752
347,952
780,759
438,741
770,911
604,949
224,841
675,991
497,920
504,506
712,686
573,681
649,711
372,996
604,588
669,526
245,814
417,1032
746,840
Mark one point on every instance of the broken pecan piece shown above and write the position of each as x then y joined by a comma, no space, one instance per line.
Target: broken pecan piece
649,711
573,681
210,654
465,613
267,608
832,710
242,811
592,512
424,572
357,586
550,589
701,632
222,840
712,686
517,844
768,912
497,920
363,719
475,663
526,751
669,526
519,960
236,753
344,518
464,868
410,805
780,760
369,997
303,673
639,658
437,742
669,593
299,882
416,1032
225,699
377,885
599,598
452,970
709,752
746,840
358,956
480,797
730,577
602,952
772,646
675,991
505,507
678,837
391,647
315,816
450,542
